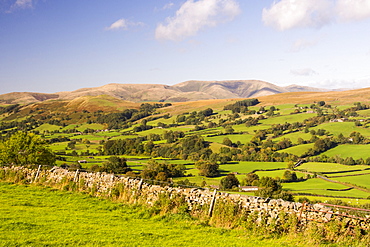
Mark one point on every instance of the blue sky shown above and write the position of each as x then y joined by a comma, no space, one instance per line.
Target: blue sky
51,46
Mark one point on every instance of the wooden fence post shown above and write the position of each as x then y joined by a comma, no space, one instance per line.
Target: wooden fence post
37,174
140,185
212,203
75,179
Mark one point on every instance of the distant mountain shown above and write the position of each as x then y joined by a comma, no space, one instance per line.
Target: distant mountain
25,97
182,92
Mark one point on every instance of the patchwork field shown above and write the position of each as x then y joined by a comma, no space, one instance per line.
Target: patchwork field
354,151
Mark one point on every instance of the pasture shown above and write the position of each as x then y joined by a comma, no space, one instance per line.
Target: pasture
329,168
317,186
346,128
359,180
355,151
245,167
297,150
34,216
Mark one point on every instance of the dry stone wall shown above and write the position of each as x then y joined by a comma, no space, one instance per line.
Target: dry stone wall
103,184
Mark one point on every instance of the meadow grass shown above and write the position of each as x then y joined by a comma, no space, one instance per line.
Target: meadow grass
34,216
121,137
294,137
94,126
329,168
277,173
360,180
48,127
364,113
160,131
251,129
348,150
287,118
243,138
89,137
297,150
285,109
215,147
346,128
319,186
250,166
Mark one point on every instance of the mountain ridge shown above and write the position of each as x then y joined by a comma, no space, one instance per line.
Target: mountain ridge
192,90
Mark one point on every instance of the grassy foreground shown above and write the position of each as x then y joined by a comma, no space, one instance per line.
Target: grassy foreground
35,216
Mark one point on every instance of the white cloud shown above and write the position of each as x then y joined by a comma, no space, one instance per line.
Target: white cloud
23,4
18,4
303,72
194,16
288,14
123,24
349,10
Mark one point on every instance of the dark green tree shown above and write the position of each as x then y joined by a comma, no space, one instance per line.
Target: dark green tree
229,182
115,164
207,169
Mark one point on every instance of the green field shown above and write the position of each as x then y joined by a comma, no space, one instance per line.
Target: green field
298,150
243,138
33,216
360,180
346,128
250,166
288,118
317,186
277,174
294,137
48,127
329,168
348,150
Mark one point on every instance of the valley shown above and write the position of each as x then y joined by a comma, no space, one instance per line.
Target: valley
265,136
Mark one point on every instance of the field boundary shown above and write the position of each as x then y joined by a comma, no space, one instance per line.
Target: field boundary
198,201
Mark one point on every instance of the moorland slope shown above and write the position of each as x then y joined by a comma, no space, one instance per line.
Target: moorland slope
181,92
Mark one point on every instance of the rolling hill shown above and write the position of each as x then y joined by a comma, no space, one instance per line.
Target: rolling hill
182,92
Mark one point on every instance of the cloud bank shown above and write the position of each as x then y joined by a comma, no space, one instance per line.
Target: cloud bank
349,10
289,14
123,24
194,16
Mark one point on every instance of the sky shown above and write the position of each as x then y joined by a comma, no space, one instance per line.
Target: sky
51,45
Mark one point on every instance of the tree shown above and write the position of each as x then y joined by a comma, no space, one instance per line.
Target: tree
251,179
290,176
24,148
115,165
229,130
227,142
207,169
229,182
268,187
321,103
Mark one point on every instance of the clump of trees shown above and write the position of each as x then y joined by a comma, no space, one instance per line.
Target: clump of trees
116,165
24,148
271,188
241,106
162,171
